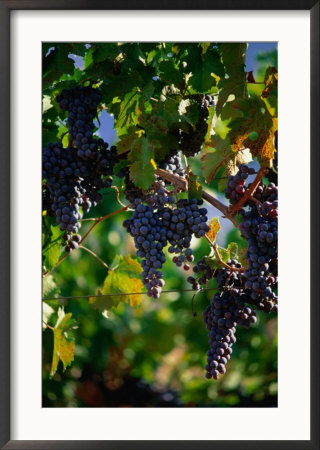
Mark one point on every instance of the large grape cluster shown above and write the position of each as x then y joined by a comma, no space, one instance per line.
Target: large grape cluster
259,227
226,311
192,141
158,222
261,233
150,238
75,175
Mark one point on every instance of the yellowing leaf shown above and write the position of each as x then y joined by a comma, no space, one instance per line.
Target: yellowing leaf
194,188
268,149
214,228
63,344
124,280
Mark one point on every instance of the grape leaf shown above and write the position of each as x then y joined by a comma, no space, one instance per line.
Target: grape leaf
56,64
52,250
63,343
233,250
143,166
49,287
234,85
214,228
124,279
224,254
216,154
128,109
47,312
204,76
170,73
194,188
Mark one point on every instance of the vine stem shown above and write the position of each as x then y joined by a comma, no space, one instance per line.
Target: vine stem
249,192
182,183
216,250
47,325
100,219
95,256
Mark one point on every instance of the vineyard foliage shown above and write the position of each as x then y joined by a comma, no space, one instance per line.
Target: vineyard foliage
188,119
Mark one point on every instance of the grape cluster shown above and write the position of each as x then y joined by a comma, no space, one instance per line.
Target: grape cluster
226,311
205,272
75,175
235,184
260,231
182,222
192,141
156,223
62,186
172,163
81,104
259,227
150,238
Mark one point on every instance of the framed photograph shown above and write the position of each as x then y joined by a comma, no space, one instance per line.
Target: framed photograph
153,294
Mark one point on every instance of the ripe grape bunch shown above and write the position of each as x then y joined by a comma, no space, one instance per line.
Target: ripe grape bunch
158,222
75,175
241,289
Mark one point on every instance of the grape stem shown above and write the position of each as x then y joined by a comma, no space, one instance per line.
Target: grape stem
215,248
100,219
95,256
249,192
182,184
47,325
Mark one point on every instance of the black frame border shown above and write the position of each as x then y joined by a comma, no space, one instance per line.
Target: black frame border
5,7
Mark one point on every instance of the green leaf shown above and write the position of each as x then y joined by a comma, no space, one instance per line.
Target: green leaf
224,254
49,287
56,64
217,153
234,85
124,279
204,76
170,73
63,343
47,312
88,59
129,109
52,250
233,250
143,167
142,174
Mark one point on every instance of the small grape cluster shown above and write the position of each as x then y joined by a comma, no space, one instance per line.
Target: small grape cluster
205,272
172,163
81,104
226,311
182,222
192,141
156,223
235,184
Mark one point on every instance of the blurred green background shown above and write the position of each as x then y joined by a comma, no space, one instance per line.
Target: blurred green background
153,355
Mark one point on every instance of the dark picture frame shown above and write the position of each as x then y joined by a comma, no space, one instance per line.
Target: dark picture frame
6,6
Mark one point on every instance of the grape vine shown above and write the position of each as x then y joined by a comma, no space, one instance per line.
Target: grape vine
169,121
